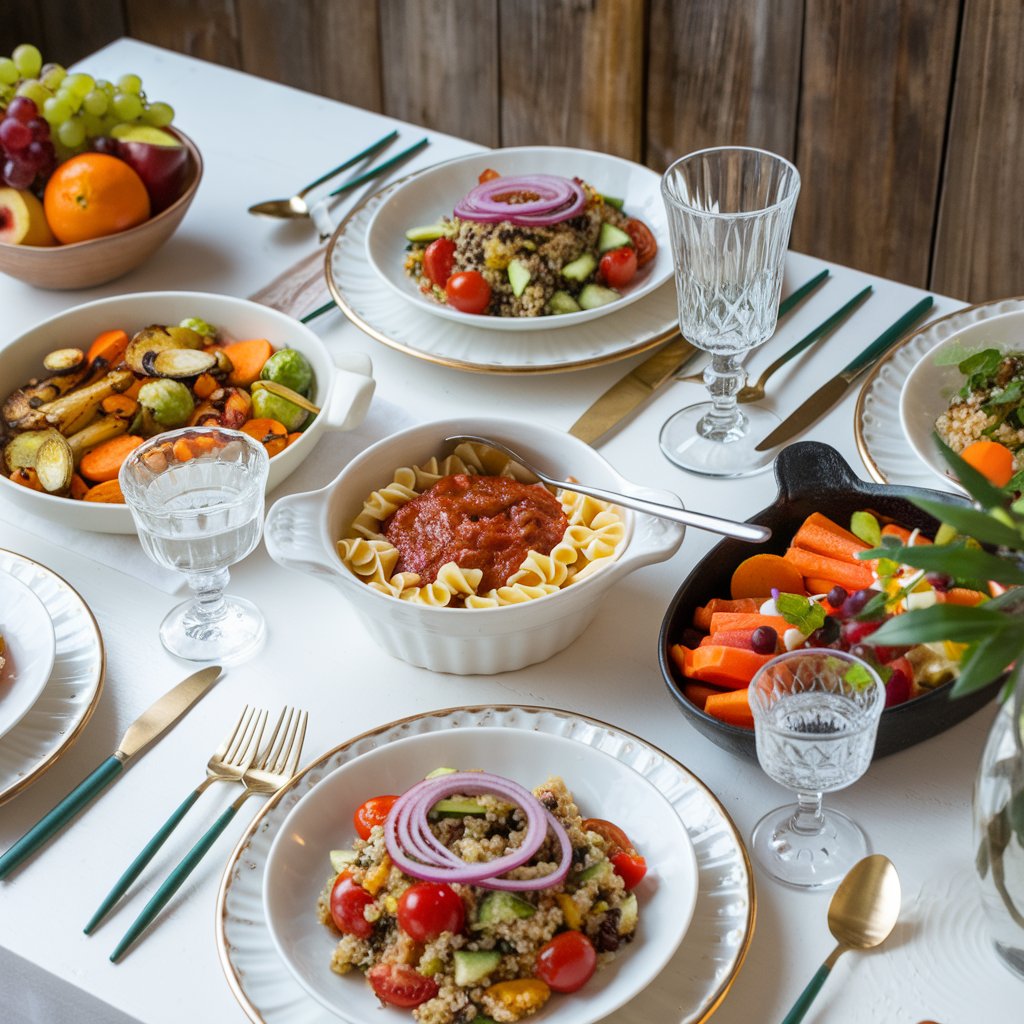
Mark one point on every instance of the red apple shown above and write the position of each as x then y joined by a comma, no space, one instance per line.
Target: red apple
158,158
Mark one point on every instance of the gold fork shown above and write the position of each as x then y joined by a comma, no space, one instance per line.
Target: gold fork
271,770
228,763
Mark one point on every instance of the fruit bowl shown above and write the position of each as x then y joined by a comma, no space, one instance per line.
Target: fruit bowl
95,262
812,477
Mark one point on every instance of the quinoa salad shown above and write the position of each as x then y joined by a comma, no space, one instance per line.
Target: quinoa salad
492,948
496,257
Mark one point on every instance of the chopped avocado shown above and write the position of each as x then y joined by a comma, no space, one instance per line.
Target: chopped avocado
425,233
341,859
614,201
472,966
612,237
594,295
458,807
518,276
580,268
501,908
627,914
562,302
600,871
438,772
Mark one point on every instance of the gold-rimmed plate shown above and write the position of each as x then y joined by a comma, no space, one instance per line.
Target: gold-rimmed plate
373,307
687,991
72,691
883,447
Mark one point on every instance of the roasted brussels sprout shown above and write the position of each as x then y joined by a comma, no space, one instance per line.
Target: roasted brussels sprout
200,326
266,405
169,402
290,368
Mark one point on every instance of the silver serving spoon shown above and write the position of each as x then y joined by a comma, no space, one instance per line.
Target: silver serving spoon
727,527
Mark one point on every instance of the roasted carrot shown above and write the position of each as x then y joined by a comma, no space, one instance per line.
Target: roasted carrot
108,492
698,693
702,615
183,450
78,487
26,477
730,667
271,434
680,655
760,574
205,385
103,462
746,620
811,564
992,460
821,535
961,596
122,405
816,585
247,359
109,347
133,391
732,706
292,438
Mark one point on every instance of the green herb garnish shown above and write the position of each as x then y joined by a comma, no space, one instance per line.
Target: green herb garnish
801,612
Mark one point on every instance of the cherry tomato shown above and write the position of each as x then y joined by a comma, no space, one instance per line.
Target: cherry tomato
630,867
628,864
373,812
611,834
643,240
618,267
489,175
400,985
567,962
348,901
428,908
468,291
437,260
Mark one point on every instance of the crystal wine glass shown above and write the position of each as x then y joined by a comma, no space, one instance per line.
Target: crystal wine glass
815,719
730,211
196,496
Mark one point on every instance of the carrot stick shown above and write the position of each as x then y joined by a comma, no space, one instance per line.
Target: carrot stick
816,585
702,615
247,359
824,537
760,574
732,707
746,620
698,693
104,461
108,346
812,564
729,667
108,492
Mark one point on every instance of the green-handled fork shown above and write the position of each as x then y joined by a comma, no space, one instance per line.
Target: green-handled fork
272,769
227,764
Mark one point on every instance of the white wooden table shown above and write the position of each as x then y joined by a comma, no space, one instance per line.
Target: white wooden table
260,140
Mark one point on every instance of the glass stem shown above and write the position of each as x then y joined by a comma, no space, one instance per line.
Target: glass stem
723,378
208,591
808,819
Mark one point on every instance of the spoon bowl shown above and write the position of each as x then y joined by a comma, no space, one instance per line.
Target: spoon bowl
750,532
282,208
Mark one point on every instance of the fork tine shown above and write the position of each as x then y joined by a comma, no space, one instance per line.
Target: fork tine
296,749
275,761
229,747
247,753
264,759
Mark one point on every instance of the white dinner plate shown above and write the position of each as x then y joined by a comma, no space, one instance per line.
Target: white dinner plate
60,713
433,194
28,649
688,989
298,864
883,446
371,305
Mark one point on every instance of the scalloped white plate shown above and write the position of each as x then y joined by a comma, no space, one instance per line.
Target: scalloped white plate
687,991
73,688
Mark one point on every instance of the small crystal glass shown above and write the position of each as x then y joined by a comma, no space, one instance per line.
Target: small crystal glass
730,211
816,715
196,496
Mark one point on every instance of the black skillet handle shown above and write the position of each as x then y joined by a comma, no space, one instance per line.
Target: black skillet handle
807,468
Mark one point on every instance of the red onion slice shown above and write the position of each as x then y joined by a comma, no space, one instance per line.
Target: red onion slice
504,199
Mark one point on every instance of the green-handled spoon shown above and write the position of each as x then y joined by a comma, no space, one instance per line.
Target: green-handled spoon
862,914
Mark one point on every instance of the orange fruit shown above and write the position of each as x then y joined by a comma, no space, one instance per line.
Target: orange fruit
92,195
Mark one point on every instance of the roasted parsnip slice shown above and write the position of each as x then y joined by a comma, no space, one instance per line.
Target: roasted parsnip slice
64,360
178,363
96,433
75,408
156,338
22,408
20,452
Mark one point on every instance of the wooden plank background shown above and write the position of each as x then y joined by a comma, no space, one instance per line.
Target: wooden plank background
903,116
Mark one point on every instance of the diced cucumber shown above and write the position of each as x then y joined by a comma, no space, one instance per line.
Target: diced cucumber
628,914
502,908
342,859
425,233
612,237
518,277
472,966
614,201
594,295
458,807
562,302
580,268
601,870
438,772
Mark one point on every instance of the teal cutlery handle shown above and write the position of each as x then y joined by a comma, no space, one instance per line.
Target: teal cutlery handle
803,1004
50,823
135,868
174,881
374,172
887,337
804,290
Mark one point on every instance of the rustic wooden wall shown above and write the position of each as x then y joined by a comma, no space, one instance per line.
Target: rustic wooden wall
903,116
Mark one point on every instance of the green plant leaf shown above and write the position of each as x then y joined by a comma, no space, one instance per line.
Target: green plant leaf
943,622
801,612
957,561
988,659
972,521
978,487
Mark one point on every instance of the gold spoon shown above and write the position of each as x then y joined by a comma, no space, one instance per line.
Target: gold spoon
749,532
861,915
755,392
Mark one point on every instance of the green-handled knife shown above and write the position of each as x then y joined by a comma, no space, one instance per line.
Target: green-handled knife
147,728
642,381
829,393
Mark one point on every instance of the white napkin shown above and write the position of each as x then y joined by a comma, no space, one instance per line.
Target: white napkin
334,450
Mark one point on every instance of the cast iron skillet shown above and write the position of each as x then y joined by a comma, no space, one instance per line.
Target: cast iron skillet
812,477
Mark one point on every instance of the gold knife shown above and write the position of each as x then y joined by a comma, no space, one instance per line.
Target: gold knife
147,728
643,380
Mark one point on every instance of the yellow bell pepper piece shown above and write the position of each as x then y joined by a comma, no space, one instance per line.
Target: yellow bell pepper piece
376,877
521,997
570,912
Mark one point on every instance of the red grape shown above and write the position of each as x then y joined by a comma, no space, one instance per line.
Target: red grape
15,135
836,596
22,109
18,174
763,640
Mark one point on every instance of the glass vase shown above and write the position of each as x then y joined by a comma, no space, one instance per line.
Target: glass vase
999,827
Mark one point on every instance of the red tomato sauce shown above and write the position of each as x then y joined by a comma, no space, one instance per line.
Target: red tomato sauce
478,522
